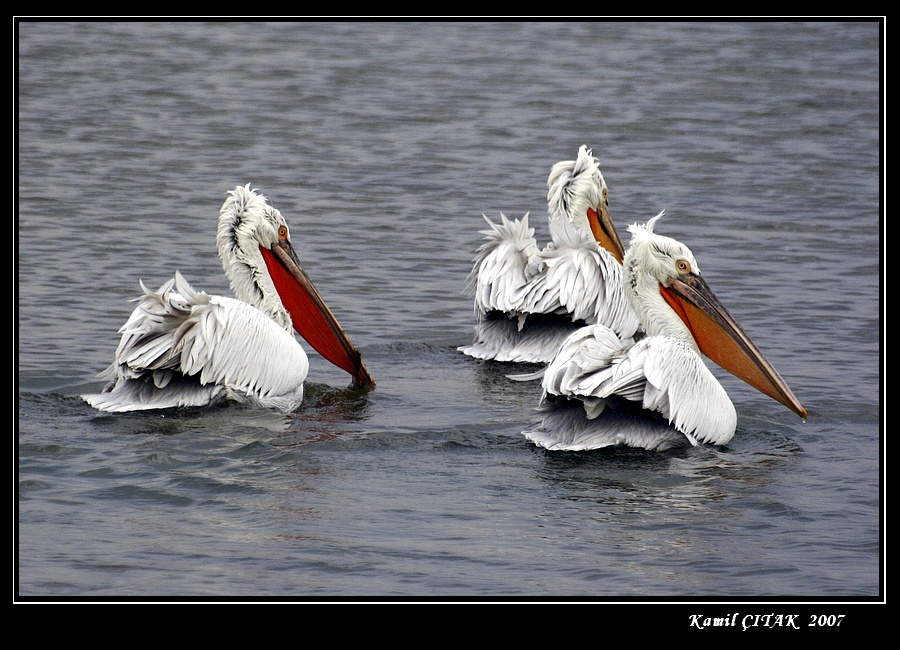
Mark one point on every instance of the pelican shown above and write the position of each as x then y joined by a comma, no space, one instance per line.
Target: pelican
527,300
656,393
182,347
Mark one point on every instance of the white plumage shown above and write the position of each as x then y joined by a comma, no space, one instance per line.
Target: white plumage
603,390
528,299
182,347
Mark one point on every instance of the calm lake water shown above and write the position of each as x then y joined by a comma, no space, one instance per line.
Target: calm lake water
383,144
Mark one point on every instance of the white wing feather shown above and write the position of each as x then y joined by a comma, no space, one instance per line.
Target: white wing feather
197,349
594,366
581,280
547,294
501,269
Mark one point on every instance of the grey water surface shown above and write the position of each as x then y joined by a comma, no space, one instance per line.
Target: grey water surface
383,143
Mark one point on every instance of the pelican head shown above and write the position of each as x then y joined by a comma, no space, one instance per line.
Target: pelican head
577,190
248,224
665,289
255,248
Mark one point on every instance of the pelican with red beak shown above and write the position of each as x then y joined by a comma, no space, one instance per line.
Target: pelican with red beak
656,393
182,347
528,300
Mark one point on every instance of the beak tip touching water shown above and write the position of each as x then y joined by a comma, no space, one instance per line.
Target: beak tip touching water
801,412
362,378
311,317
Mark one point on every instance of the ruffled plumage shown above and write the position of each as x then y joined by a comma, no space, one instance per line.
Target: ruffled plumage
547,293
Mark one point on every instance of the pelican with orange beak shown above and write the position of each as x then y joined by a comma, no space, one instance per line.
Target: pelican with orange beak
182,347
656,393
528,300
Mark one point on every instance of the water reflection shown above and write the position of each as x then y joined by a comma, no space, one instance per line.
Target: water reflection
327,413
622,479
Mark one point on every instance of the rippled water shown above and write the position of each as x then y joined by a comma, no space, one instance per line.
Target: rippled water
383,144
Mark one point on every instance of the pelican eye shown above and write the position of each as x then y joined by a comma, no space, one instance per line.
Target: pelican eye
282,232
683,266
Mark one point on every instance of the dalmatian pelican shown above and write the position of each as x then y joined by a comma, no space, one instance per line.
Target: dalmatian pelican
182,347
528,300
655,393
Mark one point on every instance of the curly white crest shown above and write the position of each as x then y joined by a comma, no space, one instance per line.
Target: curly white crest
246,222
574,186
